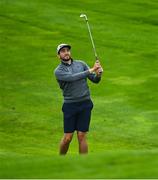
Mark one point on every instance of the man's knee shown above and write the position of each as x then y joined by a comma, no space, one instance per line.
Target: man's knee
81,136
67,138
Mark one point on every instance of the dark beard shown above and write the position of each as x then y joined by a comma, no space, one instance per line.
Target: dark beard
67,59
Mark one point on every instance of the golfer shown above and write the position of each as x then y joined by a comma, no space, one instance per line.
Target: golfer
72,78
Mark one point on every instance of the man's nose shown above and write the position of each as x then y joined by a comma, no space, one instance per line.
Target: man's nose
67,53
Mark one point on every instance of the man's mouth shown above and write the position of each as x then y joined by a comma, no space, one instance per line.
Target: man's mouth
67,55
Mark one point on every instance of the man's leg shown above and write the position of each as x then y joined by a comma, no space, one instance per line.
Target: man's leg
64,145
83,147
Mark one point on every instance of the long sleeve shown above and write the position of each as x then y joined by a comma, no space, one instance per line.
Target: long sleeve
72,79
92,77
69,77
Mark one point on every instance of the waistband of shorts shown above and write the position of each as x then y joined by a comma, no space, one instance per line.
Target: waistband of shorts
77,100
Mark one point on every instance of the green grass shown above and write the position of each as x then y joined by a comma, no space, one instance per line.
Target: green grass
106,165
123,139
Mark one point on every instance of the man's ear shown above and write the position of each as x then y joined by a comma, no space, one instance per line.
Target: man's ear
58,56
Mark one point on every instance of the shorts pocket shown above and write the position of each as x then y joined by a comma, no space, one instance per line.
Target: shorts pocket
63,107
92,104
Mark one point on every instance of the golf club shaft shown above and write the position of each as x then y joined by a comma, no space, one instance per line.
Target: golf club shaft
89,30
96,57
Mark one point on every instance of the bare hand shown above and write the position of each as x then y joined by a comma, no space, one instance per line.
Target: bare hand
99,71
95,67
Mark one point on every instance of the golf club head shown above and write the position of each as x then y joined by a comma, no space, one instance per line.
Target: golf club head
84,16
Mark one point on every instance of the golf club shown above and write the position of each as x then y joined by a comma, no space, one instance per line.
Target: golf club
90,34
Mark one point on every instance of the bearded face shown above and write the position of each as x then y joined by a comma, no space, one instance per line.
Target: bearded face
65,54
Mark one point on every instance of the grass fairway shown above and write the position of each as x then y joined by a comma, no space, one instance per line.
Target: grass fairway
123,138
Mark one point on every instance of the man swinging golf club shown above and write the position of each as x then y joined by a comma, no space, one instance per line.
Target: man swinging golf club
72,78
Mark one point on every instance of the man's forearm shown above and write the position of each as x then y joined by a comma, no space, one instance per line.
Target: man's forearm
71,77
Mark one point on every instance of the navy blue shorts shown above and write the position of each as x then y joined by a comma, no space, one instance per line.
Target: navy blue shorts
77,116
